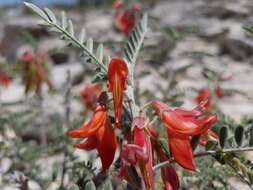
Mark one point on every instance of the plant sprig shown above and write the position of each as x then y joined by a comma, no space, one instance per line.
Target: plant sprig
65,27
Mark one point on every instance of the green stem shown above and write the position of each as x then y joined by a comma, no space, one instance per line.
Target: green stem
208,153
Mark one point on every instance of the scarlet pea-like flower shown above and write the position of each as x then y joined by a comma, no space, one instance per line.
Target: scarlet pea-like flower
126,21
117,4
204,95
5,79
90,94
181,125
117,84
35,71
139,153
208,135
99,134
219,92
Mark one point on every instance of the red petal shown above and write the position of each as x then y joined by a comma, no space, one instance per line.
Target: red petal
90,128
5,80
186,126
127,21
107,144
117,78
170,178
159,106
169,174
147,171
90,94
204,95
89,144
181,150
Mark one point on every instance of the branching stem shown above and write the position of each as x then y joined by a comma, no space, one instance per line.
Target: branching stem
208,153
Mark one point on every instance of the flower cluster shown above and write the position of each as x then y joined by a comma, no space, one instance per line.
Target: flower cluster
35,70
126,17
140,143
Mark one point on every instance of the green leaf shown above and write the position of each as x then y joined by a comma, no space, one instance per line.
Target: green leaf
71,28
210,145
251,136
248,29
51,15
100,52
63,20
223,136
195,141
239,131
164,145
89,45
90,186
73,187
108,185
135,40
107,60
37,10
82,36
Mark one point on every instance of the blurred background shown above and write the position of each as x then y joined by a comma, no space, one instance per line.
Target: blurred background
191,45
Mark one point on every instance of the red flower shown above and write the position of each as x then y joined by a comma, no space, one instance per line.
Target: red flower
126,21
27,57
5,79
90,94
208,135
219,92
181,126
117,79
35,71
99,133
138,153
117,4
204,96
168,173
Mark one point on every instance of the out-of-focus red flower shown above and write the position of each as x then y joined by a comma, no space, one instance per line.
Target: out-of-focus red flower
126,21
99,134
219,92
204,95
117,4
126,17
181,126
208,135
117,79
27,57
5,79
35,71
138,153
90,94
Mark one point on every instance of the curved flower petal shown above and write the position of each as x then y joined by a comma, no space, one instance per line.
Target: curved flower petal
145,160
107,144
181,150
89,144
185,126
117,78
168,174
90,128
204,95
